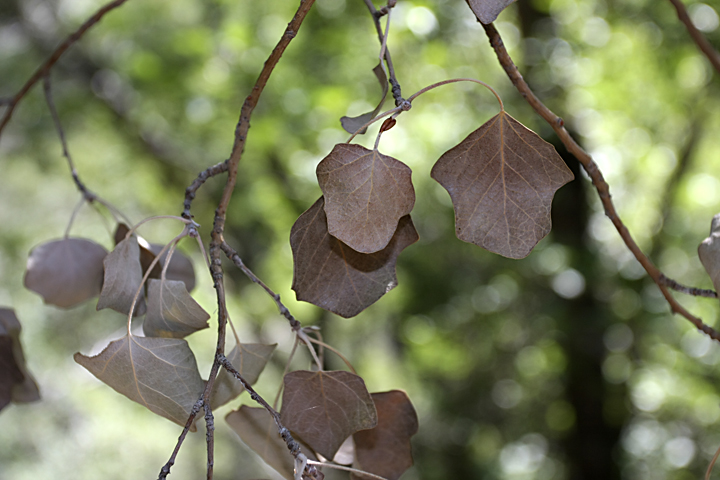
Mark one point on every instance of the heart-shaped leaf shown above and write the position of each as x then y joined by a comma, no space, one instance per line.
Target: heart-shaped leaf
258,430
488,10
366,193
353,124
709,252
331,275
16,383
123,275
158,373
171,311
324,408
502,179
66,272
249,360
385,450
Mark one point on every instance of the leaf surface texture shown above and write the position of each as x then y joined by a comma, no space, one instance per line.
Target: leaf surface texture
171,311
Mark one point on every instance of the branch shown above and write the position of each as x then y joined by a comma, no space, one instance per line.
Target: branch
595,174
165,470
698,37
202,177
696,292
376,15
45,67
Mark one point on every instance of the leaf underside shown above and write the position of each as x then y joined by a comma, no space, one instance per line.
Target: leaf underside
258,430
366,193
502,179
171,311
353,124
158,373
66,272
123,275
488,10
385,450
331,275
249,359
324,408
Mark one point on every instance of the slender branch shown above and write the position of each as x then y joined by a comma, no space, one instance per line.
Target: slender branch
235,258
54,57
165,470
697,37
210,438
392,78
202,177
712,464
696,292
595,174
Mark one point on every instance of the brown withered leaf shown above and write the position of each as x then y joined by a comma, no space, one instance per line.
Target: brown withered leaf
258,430
66,272
385,450
159,373
488,10
146,255
171,311
366,193
123,275
353,124
324,408
709,252
180,268
502,179
249,360
331,275
16,383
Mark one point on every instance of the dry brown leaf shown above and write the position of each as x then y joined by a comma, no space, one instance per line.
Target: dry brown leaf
249,360
158,373
353,124
331,275
16,383
258,430
366,193
709,252
171,311
324,408
385,450
488,10
502,179
146,256
123,275
66,272
180,268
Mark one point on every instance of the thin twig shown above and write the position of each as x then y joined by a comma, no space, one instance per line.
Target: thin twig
595,174
198,182
712,464
697,37
54,57
696,292
376,14
165,470
235,258
210,438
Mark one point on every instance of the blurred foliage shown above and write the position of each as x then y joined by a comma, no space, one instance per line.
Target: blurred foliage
556,366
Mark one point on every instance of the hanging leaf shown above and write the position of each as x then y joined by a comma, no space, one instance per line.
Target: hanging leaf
158,373
171,311
353,124
249,360
488,10
258,430
366,193
385,450
180,268
123,275
331,275
66,272
16,383
709,252
324,408
502,179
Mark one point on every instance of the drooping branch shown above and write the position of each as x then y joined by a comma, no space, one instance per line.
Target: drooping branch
595,174
54,57
697,37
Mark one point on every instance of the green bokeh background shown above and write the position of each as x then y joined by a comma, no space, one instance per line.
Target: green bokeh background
563,365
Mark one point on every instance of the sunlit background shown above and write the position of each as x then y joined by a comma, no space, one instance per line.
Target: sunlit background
563,365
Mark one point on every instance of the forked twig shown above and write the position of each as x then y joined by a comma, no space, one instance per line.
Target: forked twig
603,189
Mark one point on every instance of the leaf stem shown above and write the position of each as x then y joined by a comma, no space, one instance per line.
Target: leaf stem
378,117
287,367
73,215
158,217
347,469
455,80
335,351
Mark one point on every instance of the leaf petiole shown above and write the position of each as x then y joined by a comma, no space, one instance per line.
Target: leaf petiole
455,80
